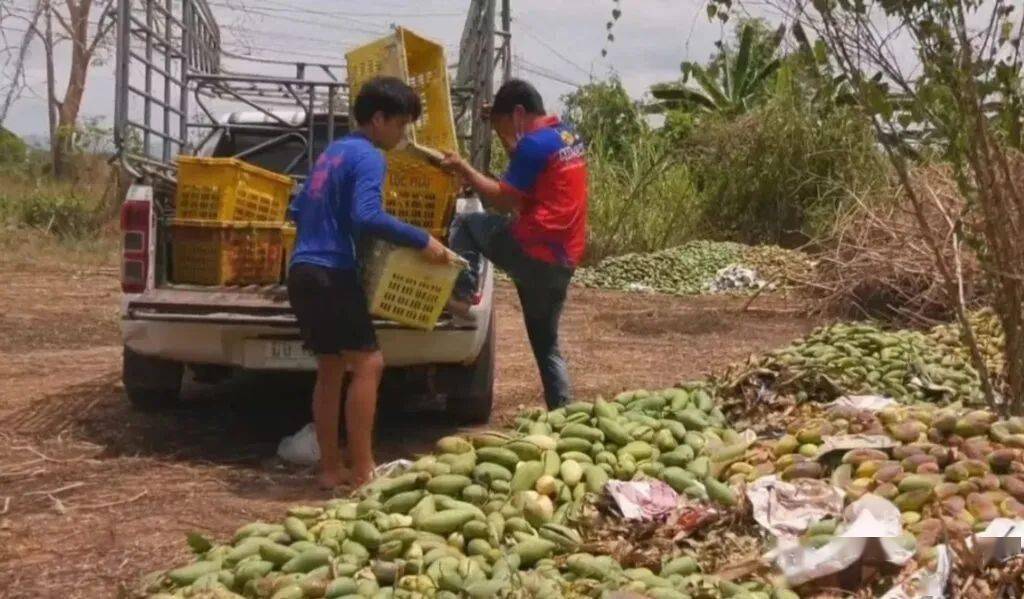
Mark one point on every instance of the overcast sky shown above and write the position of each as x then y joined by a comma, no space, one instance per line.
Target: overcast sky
563,37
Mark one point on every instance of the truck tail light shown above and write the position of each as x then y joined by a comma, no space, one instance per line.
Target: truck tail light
135,227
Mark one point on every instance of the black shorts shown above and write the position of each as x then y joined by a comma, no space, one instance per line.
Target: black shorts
330,306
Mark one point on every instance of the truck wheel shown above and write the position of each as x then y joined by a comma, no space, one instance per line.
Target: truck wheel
151,383
472,394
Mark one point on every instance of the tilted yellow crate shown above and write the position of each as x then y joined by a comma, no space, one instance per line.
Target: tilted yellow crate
414,191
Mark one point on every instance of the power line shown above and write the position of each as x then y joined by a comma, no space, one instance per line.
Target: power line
540,71
320,23
550,77
243,52
386,15
539,67
316,18
240,32
553,50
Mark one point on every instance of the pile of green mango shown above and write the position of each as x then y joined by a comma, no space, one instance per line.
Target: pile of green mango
689,269
498,514
861,359
988,332
492,514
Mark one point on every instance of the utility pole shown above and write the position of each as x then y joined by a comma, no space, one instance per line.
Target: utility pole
475,76
506,32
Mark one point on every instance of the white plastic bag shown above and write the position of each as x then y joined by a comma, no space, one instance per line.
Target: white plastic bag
300,448
873,523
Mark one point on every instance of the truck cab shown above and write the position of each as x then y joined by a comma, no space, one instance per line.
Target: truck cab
213,332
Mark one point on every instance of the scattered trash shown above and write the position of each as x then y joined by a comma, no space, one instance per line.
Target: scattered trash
848,442
301,447
737,278
392,468
642,499
874,533
925,583
639,288
1000,540
867,403
786,509
690,517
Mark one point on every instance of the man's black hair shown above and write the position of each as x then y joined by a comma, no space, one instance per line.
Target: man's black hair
516,92
389,95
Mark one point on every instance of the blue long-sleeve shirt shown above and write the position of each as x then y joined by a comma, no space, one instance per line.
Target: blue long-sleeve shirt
341,201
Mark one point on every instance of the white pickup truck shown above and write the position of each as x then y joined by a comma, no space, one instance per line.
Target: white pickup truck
214,332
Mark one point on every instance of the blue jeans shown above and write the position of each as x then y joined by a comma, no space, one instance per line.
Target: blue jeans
541,286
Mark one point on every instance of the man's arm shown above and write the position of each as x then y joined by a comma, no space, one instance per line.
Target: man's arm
368,212
501,197
517,185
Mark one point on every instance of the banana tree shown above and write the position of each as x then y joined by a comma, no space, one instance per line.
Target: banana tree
732,89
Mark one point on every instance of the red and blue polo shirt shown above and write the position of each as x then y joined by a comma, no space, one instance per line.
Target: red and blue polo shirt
548,169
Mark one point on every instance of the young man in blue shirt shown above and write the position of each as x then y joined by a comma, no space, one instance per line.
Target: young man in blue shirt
341,202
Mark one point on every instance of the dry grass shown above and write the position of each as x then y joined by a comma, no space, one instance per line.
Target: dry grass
28,249
877,263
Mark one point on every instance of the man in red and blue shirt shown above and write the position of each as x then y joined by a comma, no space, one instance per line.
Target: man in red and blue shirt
546,187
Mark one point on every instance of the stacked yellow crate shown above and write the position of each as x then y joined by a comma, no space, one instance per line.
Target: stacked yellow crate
229,226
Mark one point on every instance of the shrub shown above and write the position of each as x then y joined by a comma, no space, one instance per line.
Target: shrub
783,172
12,149
72,209
641,199
62,213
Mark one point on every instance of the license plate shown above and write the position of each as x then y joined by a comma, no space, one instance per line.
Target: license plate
287,350
286,354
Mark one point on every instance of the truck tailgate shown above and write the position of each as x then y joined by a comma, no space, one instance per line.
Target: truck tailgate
257,305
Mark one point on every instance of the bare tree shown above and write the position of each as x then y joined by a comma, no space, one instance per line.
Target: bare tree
12,61
81,28
961,84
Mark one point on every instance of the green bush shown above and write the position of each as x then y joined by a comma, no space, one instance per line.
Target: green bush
30,198
12,149
783,172
642,198
66,215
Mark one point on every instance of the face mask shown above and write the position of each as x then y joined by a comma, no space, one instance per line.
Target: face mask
518,126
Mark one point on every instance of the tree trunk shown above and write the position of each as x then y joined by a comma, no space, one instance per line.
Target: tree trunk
51,94
67,114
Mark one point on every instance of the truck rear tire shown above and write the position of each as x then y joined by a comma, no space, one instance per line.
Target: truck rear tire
151,383
472,393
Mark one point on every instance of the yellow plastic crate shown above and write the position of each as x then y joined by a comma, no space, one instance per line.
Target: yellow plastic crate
420,194
226,253
415,192
288,232
229,189
405,288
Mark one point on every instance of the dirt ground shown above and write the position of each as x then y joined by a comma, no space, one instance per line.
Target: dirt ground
93,495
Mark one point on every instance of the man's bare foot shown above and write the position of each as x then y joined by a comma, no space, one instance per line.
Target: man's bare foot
332,479
361,476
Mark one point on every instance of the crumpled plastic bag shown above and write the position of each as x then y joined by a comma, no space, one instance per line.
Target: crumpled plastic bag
301,447
925,583
786,509
867,403
874,523
642,499
847,442
393,468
